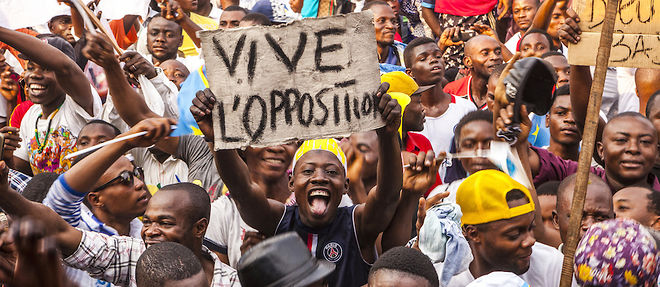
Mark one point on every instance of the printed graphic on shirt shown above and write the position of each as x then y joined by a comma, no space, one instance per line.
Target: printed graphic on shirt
332,252
48,156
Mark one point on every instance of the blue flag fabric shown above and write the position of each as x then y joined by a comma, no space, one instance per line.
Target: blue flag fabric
196,81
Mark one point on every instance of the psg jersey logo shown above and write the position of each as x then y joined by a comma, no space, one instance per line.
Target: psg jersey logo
332,252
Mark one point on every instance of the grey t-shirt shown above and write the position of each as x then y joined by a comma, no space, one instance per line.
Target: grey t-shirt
194,151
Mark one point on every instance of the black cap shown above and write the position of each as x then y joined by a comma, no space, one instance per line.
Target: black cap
57,42
532,80
282,260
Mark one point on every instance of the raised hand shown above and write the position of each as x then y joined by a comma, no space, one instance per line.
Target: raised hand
424,205
202,110
171,10
420,175
12,141
485,30
136,65
390,111
8,87
156,128
99,50
570,31
447,36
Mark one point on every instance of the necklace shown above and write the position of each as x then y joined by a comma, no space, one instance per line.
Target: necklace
36,129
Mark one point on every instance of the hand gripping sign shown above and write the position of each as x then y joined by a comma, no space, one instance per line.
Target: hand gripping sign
636,38
310,79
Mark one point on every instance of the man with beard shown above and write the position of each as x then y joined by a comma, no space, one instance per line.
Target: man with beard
482,54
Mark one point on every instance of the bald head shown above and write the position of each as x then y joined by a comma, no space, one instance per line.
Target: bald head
475,44
597,204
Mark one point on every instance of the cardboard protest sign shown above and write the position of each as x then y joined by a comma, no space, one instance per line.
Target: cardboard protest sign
310,79
636,35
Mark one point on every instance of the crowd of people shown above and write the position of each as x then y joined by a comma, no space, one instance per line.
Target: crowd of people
417,202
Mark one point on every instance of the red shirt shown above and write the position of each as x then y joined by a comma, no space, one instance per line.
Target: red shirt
461,88
18,113
416,143
464,7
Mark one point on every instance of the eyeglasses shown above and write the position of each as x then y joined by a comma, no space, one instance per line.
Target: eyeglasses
382,21
126,178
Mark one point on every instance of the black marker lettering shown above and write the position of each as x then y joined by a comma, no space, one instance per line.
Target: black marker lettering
347,108
284,102
640,48
336,106
292,63
291,104
223,130
319,102
256,134
301,104
376,101
367,104
356,108
231,67
320,49
237,100
252,61
621,44
345,84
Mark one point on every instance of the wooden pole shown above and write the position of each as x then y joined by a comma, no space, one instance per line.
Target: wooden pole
588,141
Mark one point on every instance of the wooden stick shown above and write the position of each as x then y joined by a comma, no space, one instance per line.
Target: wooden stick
588,141
98,146
98,24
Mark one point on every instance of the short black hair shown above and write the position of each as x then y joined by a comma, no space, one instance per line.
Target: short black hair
563,190
650,104
544,33
148,22
408,52
564,90
102,122
37,188
548,188
630,114
166,261
236,8
654,201
478,115
199,199
497,71
408,261
374,3
258,18
552,53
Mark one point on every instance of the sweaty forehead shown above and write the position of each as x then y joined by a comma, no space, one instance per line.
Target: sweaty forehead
479,42
631,193
519,3
319,157
168,202
534,38
427,48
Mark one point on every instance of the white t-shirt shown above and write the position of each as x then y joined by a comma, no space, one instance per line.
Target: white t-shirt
60,139
512,43
440,130
544,269
171,171
227,228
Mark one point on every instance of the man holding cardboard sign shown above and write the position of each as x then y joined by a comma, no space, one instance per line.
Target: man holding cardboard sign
300,81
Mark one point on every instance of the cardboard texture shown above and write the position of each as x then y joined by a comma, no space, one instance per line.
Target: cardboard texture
636,38
314,78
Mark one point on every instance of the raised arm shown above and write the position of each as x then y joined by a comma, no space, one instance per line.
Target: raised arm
543,15
14,204
417,178
257,210
68,74
130,105
432,20
375,215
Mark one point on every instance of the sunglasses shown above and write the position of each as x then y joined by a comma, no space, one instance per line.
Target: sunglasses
126,178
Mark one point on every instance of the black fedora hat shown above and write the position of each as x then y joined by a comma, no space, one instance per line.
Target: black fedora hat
282,260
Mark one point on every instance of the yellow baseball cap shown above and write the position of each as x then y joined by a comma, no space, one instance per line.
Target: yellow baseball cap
482,197
402,83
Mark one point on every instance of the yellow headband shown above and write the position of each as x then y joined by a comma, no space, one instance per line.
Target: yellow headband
329,145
